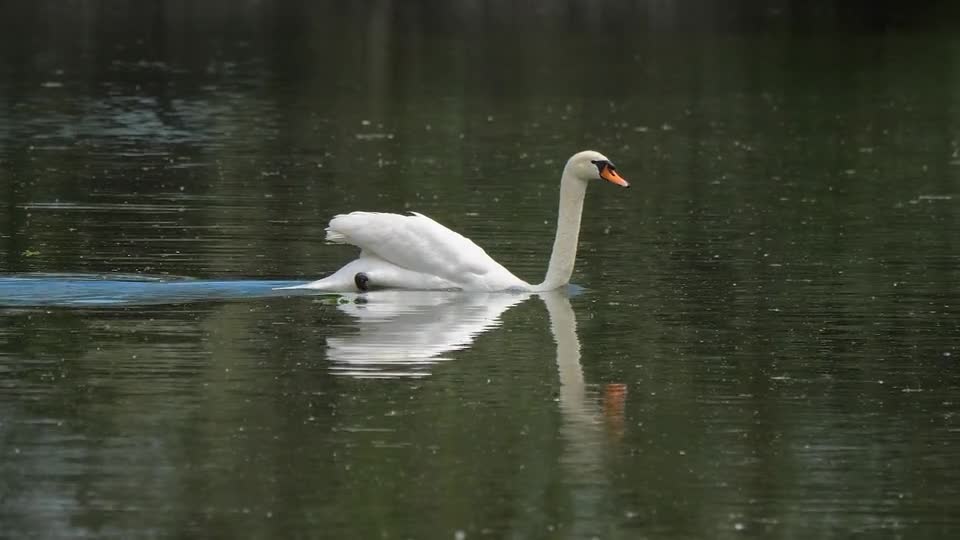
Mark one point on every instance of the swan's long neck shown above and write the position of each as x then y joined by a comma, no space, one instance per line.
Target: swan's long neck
572,191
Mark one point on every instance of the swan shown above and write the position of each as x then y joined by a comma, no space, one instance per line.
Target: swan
415,252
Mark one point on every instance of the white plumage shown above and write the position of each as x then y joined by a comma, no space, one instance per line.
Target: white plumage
415,252
420,244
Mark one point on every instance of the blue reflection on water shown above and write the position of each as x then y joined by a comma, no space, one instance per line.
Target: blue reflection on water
92,290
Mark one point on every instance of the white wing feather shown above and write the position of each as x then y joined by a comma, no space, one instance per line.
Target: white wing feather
417,243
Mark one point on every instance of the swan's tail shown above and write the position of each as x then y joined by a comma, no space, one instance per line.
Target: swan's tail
336,237
325,284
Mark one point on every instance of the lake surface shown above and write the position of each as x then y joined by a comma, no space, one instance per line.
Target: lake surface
764,340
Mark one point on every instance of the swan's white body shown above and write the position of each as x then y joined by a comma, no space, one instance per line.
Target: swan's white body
415,252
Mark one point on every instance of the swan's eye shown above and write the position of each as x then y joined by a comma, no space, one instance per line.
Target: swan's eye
603,164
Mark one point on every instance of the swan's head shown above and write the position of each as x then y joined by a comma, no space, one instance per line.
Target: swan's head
589,165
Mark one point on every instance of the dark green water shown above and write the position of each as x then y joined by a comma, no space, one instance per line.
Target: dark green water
767,344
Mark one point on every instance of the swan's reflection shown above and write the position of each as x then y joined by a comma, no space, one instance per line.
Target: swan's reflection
585,425
403,333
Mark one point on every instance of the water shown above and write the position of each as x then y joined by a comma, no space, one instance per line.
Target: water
764,342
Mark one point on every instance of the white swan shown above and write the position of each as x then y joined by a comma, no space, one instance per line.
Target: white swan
415,252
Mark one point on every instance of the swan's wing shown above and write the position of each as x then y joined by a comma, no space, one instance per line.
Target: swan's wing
417,243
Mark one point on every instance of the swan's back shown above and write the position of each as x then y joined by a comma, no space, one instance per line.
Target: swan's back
418,243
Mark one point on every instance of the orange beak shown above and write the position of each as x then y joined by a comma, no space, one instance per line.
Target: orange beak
609,174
